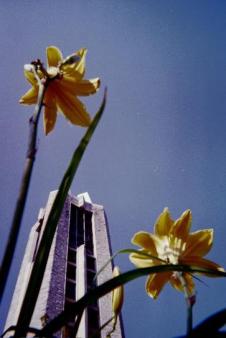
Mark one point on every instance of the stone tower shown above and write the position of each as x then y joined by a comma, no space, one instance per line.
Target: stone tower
80,248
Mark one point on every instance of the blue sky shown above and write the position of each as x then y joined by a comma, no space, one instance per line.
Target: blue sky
161,141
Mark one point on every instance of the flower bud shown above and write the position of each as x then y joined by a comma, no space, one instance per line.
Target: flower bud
117,295
28,67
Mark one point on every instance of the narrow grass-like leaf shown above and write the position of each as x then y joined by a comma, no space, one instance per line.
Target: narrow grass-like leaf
49,231
127,251
90,297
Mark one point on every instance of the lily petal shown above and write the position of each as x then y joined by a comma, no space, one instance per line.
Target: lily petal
30,97
163,224
71,107
77,69
181,226
80,66
54,56
30,77
201,263
188,280
199,243
141,261
146,241
50,112
80,88
156,282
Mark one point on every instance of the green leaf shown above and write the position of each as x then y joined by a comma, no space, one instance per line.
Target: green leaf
50,228
210,326
127,251
101,290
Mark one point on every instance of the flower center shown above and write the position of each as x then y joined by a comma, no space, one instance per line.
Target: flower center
53,72
171,249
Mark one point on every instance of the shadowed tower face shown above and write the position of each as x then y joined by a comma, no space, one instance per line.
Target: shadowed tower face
80,248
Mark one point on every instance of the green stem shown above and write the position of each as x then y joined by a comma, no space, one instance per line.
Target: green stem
189,317
21,200
114,319
190,301
97,334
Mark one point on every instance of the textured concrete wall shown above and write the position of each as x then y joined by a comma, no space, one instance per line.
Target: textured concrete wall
55,303
51,298
103,253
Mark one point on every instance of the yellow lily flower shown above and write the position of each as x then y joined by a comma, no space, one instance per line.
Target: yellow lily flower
171,243
64,81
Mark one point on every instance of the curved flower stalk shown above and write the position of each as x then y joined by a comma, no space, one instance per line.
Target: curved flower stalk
173,244
64,79
24,186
